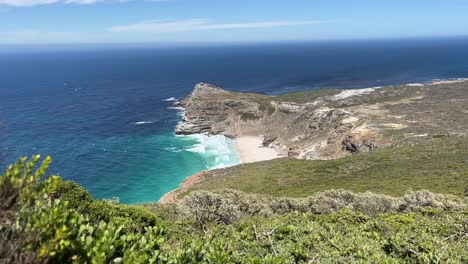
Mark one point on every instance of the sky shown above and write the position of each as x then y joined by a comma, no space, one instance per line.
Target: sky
186,21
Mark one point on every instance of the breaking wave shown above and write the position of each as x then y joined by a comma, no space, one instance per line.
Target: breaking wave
218,151
143,122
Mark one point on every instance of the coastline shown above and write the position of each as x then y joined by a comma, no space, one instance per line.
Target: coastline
251,148
248,148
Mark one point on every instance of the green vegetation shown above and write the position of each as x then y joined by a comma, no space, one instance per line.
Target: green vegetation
438,165
307,97
47,220
228,206
249,116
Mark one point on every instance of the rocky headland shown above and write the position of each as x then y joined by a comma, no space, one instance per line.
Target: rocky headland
330,124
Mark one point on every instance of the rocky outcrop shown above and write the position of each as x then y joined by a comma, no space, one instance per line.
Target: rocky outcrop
268,140
290,108
354,147
209,109
331,126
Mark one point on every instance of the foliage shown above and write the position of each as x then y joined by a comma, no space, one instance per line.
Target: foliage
52,231
132,217
77,197
308,96
228,206
39,225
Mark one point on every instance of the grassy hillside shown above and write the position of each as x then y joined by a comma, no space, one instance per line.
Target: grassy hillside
439,165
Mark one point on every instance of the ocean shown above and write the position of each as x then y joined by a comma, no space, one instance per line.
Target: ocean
103,112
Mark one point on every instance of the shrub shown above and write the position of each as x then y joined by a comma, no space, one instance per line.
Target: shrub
131,217
414,201
77,197
19,188
228,206
41,228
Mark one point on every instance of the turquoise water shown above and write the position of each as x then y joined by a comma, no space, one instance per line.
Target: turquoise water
157,153
103,113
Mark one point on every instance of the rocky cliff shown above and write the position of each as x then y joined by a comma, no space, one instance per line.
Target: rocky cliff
329,124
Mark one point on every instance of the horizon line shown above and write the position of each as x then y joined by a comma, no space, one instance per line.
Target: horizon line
226,43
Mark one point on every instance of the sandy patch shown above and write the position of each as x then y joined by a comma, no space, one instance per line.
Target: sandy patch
250,149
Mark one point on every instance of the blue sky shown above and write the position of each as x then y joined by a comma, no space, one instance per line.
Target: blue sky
182,21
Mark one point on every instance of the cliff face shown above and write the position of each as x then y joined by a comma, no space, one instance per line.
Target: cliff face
209,109
329,124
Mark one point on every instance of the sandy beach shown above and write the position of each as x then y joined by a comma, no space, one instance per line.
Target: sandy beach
250,149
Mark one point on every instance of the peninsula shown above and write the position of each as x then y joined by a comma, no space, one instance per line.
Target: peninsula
323,125
329,124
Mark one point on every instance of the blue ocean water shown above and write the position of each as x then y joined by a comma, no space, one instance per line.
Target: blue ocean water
101,111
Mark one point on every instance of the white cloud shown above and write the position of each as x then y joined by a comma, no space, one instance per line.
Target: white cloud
204,24
43,2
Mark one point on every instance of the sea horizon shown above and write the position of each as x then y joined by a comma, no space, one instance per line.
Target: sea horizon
199,44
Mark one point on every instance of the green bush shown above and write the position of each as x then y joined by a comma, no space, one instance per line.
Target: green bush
131,217
77,197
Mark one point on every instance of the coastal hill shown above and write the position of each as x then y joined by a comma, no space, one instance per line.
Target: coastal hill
330,124
385,140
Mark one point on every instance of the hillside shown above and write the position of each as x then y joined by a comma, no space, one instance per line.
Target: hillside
438,164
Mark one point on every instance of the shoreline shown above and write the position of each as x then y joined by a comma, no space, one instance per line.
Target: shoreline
250,149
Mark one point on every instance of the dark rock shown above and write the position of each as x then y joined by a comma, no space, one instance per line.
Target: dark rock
268,139
353,147
348,145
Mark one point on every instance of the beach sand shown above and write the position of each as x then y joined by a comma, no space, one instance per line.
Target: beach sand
250,149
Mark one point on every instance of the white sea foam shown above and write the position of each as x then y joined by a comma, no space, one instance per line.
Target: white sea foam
173,149
448,81
143,122
218,150
170,99
180,110
176,108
